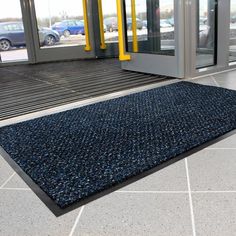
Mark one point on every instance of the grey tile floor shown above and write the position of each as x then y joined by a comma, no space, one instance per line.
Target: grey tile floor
195,196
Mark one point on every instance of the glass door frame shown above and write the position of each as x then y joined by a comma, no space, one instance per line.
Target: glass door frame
162,64
223,39
28,36
59,53
37,55
111,48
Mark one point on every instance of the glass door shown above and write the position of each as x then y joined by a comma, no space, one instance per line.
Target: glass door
154,36
12,34
62,29
206,37
232,45
105,26
210,37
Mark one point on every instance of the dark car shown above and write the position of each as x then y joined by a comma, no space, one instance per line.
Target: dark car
145,23
164,23
233,19
171,21
138,21
12,35
69,27
111,24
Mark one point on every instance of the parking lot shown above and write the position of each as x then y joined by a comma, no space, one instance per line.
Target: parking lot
20,54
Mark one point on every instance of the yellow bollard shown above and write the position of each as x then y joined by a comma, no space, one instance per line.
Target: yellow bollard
123,56
101,25
134,26
86,27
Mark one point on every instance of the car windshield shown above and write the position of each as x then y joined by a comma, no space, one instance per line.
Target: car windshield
57,23
129,20
112,19
79,23
202,21
164,23
171,21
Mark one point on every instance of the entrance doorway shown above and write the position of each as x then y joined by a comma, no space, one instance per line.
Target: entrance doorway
169,38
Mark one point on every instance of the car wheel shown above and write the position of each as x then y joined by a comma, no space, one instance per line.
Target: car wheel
50,40
5,45
66,33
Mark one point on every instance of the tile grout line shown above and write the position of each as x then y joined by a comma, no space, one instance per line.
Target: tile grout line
190,198
168,192
214,191
16,189
178,192
214,80
1,187
220,148
147,192
76,221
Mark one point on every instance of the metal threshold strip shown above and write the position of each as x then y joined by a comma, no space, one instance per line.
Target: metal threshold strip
25,89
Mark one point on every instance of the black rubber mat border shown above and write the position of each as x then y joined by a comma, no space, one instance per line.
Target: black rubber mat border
57,211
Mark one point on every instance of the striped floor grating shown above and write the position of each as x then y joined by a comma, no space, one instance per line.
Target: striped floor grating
29,88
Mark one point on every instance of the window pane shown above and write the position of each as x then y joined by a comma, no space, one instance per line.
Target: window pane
206,34
232,48
110,21
155,26
12,43
60,23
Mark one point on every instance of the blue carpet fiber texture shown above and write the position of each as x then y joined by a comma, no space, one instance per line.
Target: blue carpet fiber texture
75,154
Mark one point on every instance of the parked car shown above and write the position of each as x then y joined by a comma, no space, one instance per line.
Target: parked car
206,40
139,23
204,31
145,24
165,24
111,24
104,26
12,35
171,21
69,27
202,21
233,33
166,29
233,19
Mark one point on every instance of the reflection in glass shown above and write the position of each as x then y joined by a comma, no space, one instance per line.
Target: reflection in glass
232,48
155,26
206,34
60,23
12,35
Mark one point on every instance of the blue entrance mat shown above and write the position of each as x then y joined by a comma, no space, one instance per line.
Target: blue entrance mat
76,154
